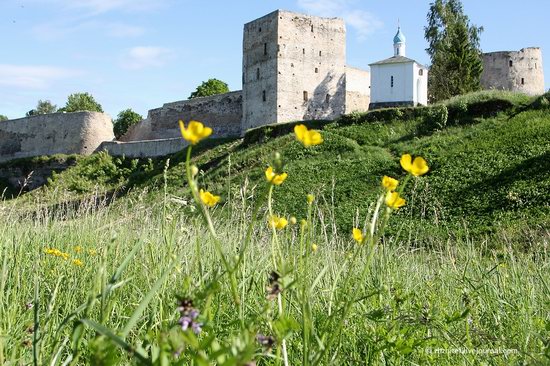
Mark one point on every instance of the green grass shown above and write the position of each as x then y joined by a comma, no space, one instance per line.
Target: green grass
461,294
461,272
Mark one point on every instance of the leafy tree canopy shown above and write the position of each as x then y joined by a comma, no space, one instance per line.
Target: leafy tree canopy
210,87
124,121
43,107
454,49
81,102
3,118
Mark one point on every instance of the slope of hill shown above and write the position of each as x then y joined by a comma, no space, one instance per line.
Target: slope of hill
489,155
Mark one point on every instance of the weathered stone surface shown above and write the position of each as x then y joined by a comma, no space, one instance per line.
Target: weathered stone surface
56,133
357,90
519,71
144,149
293,68
223,113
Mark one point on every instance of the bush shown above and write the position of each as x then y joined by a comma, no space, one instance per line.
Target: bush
124,121
81,102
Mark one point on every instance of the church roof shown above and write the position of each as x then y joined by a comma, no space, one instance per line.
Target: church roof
399,37
394,60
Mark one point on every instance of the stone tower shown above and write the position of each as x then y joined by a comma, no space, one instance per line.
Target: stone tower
294,68
519,71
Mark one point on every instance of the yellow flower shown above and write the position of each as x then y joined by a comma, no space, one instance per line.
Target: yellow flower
77,262
307,137
92,252
357,235
78,249
277,222
417,167
389,183
274,178
293,220
194,132
208,198
314,247
310,198
394,200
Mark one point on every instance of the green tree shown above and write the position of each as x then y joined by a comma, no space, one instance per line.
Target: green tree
81,102
124,121
210,87
3,118
43,107
454,49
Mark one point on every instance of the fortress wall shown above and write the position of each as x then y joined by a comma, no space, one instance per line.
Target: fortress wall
144,149
311,67
357,90
519,71
223,113
56,133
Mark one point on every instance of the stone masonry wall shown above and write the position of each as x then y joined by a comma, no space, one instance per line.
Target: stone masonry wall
260,71
56,133
144,149
311,65
520,71
223,113
357,90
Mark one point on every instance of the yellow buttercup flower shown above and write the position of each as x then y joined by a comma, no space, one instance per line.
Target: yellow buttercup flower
389,183
194,132
77,262
310,198
417,167
275,178
277,222
293,220
357,235
314,247
208,198
394,200
307,137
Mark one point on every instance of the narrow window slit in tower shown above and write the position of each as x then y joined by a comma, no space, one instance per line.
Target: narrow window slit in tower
522,81
258,73
305,96
327,98
316,70
265,49
320,53
260,30
312,27
263,96
511,63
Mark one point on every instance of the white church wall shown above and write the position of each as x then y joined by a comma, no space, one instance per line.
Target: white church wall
420,84
403,80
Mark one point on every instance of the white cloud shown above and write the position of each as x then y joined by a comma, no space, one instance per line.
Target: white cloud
363,22
33,77
140,57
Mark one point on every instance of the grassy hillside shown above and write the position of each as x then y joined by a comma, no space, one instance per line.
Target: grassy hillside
488,152
112,263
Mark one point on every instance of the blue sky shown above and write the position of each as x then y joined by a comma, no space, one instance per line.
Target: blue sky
141,54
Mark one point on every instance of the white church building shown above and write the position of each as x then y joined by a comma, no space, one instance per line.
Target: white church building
398,80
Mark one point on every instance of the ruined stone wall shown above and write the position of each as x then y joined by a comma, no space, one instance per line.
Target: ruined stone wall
311,65
357,90
260,71
56,133
520,71
223,113
144,149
